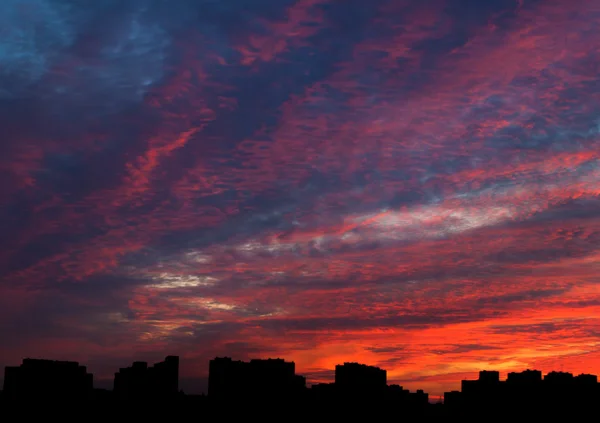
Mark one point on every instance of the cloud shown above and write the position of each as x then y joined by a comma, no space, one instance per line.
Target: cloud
32,31
408,186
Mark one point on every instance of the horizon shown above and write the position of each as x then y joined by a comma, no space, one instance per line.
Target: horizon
411,185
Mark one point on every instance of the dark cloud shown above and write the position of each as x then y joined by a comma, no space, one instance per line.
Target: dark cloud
520,297
386,350
541,328
408,321
457,349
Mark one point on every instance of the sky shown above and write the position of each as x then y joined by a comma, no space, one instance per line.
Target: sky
408,184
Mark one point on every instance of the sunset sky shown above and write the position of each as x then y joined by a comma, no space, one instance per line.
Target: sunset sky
408,184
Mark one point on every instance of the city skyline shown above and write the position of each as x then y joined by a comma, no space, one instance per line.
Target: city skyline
272,388
410,184
376,374
231,379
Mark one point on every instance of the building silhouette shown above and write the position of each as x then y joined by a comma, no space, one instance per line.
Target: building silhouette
140,381
37,379
360,377
528,377
397,395
360,388
525,393
271,388
360,383
256,380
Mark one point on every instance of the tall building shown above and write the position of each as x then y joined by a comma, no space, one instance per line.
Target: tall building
164,376
489,377
39,379
558,378
140,381
257,379
526,377
360,375
487,383
356,379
